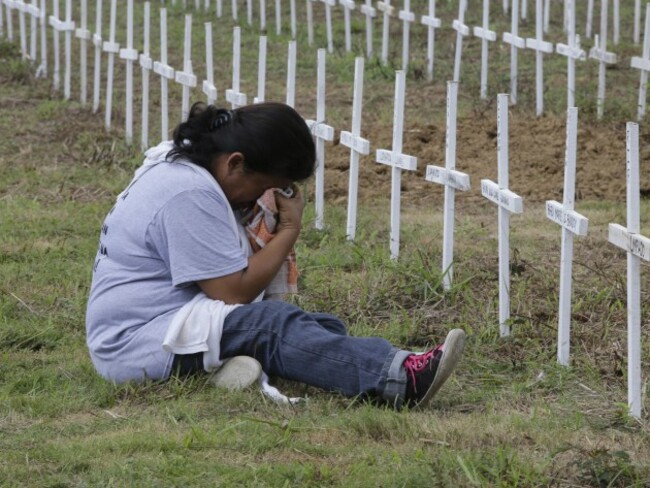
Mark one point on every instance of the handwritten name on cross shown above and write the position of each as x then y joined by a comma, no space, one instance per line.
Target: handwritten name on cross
358,145
599,52
540,47
572,224
508,202
321,132
432,23
452,180
485,34
398,161
233,95
643,65
637,247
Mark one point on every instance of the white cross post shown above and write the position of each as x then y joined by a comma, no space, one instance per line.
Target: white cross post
348,6
485,34
462,30
249,12
572,51
83,34
432,22
407,17
321,132
41,71
643,64
310,21
398,161
637,21
69,31
166,73
278,17
292,17
219,8
208,84
370,13
59,26
547,15
20,6
357,145
637,247
146,65
590,18
599,52
540,47
10,19
572,224
291,74
233,95
452,180
261,71
328,23
387,10
515,42
112,48
130,55
97,42
263,15
34,13
186,78
617,22
508,202
234,10
2,21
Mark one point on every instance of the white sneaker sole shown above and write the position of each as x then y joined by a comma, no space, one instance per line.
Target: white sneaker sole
237,373
451,354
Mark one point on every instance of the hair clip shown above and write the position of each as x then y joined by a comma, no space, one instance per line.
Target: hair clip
223,118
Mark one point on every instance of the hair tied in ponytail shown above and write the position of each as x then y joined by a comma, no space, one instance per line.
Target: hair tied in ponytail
223,117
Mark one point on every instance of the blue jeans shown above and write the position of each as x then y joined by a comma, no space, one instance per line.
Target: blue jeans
314,348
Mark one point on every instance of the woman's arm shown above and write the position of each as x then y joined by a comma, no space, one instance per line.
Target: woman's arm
244,286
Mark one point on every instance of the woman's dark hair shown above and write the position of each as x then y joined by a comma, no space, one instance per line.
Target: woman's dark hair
273,138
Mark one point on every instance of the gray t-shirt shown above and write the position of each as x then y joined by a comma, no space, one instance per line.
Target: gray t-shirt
170,228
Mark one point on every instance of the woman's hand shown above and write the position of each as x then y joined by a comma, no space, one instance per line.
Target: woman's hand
290,210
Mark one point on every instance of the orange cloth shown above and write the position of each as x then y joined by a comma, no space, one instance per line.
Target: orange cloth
260,229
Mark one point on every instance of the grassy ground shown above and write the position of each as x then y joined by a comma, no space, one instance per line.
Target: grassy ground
510,417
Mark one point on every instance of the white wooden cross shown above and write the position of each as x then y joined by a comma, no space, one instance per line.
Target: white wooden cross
407,17
321,132
524,9
234,10
292,17
398,161
637,247
540,47
83,34
515,42
600,53
370,13
41,71
485,34
20,6
508,202
263,15
572,51
278,17
357,145
146,65
462,30
328,23
249,12
130,55
617,22
643,64
590,18
97,42
348,6
34,12
572,224
166,73
547,15
432,22
310,21
112,48
187,78
637,21
387,10
10,20
291,74
233,95
208,84
261,71
452,180
59,26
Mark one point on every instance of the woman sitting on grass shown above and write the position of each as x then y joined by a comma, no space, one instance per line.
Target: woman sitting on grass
172,268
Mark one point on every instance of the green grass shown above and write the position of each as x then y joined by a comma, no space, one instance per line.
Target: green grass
510,416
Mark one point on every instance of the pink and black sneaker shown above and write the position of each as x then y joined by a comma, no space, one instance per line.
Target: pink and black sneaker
426,372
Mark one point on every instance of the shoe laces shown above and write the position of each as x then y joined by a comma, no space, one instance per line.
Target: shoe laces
416,363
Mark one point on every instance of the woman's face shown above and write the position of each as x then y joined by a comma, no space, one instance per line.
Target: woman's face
242,188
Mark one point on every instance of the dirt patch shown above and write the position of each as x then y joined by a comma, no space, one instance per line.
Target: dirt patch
536,155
